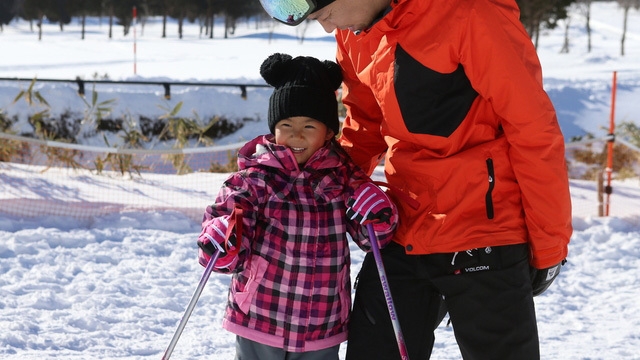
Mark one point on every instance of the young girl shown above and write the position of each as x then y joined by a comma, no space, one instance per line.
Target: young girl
290,293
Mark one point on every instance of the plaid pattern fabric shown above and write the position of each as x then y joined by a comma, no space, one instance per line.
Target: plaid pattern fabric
291,287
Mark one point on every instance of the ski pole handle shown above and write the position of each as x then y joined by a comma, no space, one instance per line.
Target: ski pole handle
404,355
192,305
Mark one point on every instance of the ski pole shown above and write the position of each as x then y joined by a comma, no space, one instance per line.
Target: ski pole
235,221
387,292
192,303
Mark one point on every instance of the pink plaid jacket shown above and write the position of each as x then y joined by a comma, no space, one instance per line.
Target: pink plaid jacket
291,288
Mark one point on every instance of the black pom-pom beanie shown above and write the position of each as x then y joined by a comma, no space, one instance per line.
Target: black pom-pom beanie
304,86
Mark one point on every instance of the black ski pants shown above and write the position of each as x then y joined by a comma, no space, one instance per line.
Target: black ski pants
487,292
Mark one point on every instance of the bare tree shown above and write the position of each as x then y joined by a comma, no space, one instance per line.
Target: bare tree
626,5
583,7
565,43
541,14
588,23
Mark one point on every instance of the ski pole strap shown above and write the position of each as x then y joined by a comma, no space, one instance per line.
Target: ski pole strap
404,197
235,220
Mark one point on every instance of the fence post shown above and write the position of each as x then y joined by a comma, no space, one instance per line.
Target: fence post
610,141
600,186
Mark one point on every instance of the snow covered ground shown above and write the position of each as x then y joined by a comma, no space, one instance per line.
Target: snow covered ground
113,282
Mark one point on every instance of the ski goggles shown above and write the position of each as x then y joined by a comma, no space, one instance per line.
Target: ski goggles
292,12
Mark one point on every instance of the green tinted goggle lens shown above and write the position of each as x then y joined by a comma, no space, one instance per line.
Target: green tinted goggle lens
290,12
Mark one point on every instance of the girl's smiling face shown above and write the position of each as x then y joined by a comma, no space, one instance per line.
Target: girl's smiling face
303,135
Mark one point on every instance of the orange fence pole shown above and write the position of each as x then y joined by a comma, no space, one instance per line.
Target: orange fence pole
610,141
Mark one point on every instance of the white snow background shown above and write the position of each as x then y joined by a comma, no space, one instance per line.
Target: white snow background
115,286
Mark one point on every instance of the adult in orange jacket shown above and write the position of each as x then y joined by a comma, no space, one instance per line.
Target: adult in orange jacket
450,93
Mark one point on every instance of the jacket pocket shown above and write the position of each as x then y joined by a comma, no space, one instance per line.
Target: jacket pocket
492,183
256,271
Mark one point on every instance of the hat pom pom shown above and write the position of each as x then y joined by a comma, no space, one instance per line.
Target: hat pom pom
334,74
274,68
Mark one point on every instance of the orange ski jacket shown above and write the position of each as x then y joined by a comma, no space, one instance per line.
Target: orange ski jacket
450,93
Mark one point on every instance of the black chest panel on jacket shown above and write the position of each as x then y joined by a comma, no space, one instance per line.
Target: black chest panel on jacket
431,103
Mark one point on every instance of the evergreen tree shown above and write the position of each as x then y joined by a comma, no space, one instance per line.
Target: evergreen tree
162,8
123,12
8,10
542,14
34,10
57,12
82,9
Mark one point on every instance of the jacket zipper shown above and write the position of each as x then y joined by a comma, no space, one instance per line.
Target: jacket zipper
492,181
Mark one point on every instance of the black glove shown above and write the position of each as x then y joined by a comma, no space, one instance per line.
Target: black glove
541,279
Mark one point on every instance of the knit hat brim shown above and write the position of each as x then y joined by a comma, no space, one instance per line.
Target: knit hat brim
293,101
303,86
